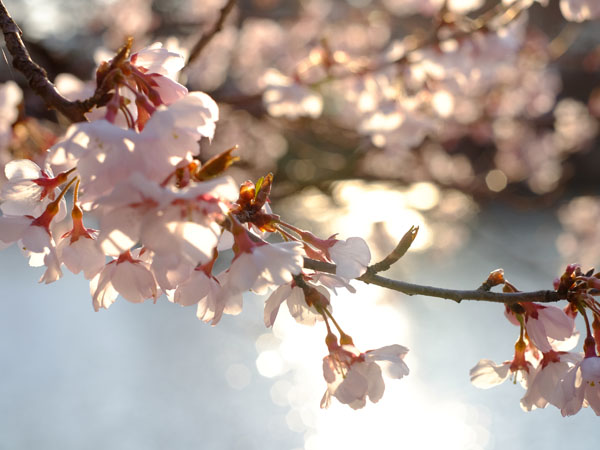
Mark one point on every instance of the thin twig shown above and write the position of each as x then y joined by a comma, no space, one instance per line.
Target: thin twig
451,294
397,253
207,37
36,76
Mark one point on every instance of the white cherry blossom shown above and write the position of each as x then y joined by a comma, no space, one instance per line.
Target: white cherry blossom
295,298
352,376
548,322
128,276
265,266
544,384
29,189
581,387
211,296
351,257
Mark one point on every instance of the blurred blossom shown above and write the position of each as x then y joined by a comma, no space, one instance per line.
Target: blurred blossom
261,144
524,155
408,7
446,168
580,10
210,70
205,11
285,97
124,18
573,124
580,239
261,42
10,97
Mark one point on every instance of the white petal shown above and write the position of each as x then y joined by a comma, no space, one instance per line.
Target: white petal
22,169
193,290
273,303
81,255
134,282
101,289
351,257
12,228
487,373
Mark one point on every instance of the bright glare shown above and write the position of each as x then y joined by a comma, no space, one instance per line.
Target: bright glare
368,204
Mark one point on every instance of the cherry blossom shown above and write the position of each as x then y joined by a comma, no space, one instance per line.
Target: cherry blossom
259,265
581,387
544,384
487,373
78,249
351,256
543,322
210,294
35,239
128,276
29,189
144,167
352,376
297,302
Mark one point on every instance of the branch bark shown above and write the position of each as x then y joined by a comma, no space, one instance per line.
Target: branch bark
457,295
207,37
36,76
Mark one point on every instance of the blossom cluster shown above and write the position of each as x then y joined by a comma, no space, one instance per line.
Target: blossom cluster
164,217
149,175
543,362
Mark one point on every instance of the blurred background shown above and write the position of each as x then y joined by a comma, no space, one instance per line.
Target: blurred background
476,120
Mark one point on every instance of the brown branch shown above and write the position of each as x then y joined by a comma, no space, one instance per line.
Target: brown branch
207,37
35,75
451,294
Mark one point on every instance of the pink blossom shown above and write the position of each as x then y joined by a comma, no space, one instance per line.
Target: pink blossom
29,189
581,387
487,373
351,256
78,249
265,266
179,226
126,275
210,294
545,382
543,322
106,155
259,265
297,304
35,239
352,376
157,59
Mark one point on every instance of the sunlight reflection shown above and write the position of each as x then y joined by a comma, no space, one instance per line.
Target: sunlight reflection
366,204
381,213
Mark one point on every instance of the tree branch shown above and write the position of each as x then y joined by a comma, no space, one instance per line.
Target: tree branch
370,277
36,76
207,37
